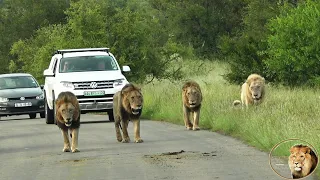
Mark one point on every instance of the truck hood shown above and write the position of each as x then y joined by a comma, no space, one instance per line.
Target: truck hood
90,76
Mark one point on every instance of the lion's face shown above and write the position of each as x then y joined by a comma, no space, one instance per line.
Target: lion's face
135,100
67,111
297,160
300,160
256,89
193,96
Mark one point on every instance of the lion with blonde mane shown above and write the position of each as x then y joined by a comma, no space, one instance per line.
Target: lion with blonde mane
68,119
127,105
192,99
302,161
252,91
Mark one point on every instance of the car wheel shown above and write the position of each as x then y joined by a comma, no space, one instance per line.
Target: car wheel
111,117
32,115
48,113
43,115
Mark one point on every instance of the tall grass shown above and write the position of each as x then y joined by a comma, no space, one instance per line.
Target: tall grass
285,113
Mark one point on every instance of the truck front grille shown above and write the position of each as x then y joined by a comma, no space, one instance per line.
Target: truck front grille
93,85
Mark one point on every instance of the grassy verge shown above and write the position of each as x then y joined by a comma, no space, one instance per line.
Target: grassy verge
285,113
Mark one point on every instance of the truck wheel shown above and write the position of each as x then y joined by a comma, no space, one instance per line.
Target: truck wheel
110,114
48,113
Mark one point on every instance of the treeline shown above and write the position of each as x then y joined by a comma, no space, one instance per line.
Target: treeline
276,38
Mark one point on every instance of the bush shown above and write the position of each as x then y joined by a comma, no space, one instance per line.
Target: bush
243,50
294,45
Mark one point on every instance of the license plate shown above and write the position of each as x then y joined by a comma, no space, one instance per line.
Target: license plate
24,104
93,93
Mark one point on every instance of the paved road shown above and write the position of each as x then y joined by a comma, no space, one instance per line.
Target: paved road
32,150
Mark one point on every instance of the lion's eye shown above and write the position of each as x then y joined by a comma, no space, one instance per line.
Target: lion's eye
301,156
132,97
63,110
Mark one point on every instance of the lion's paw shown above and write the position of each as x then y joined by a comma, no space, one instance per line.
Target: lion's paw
196,128
189,128
138,140
126,140
75,150
66,149
119,139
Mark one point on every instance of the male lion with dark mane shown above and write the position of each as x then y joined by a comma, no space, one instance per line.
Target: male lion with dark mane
302,161
191,99
252,91
68,118
127,105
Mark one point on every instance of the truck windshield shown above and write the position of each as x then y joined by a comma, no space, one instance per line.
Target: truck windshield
87,63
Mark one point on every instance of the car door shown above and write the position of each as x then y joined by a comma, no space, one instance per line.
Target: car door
50,80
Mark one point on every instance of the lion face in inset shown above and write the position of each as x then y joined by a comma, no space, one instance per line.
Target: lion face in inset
191,94
132,100
66,111
302,160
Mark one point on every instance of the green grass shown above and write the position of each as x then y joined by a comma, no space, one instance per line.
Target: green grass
285,113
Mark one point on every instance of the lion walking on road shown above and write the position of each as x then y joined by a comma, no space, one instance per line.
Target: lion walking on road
252,91
127,105
68,119
191,99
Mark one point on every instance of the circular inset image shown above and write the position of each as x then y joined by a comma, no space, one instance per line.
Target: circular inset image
293,159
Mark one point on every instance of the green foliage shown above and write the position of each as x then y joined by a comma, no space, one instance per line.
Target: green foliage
201,22
243,50
33,55
294,49
133,34
19,19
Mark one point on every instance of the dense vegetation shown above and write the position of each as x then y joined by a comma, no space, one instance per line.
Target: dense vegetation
278,39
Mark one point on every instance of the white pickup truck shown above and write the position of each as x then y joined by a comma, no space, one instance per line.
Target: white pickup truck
92,74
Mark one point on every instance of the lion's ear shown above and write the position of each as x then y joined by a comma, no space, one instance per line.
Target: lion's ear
291,150
308,150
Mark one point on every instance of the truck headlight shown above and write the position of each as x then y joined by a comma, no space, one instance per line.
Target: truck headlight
41,96
67,84
118,82
2,99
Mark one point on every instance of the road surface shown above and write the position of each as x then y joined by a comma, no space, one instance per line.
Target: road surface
32,150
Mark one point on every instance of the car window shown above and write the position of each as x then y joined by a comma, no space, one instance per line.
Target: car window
18,82
87,63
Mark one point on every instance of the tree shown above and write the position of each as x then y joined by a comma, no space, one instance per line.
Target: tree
131,31
19,19
201,22
294,50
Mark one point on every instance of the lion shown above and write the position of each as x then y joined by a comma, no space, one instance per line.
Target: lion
252,91
68,118
191,100
302,161
127,106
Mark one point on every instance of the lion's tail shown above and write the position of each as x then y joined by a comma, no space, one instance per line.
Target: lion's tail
236,102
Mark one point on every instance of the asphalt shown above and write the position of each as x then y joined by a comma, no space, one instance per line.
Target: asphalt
30,149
